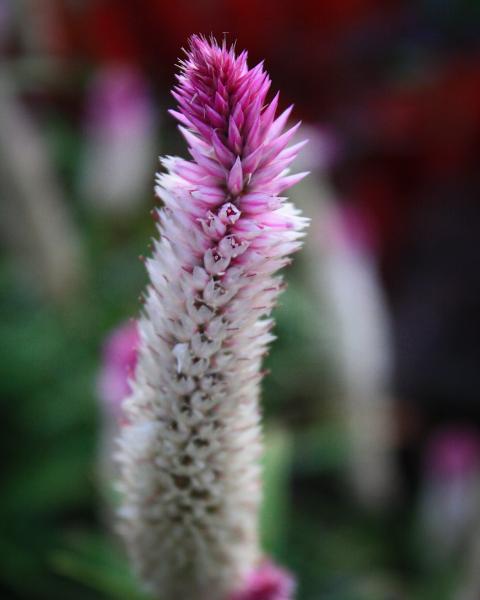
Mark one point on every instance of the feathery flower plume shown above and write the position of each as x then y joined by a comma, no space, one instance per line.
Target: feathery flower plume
190,449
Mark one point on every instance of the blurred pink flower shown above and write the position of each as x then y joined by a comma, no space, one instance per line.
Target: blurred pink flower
450,494
453,452
118,99
348,284
267,582
121,136
119,359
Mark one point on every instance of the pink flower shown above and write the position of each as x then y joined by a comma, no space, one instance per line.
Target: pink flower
267,582
120,139
119,100
119,358
450,493
190,452
453,452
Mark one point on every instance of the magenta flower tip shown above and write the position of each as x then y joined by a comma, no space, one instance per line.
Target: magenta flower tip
238,141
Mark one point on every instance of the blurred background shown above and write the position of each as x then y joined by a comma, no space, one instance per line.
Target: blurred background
372,407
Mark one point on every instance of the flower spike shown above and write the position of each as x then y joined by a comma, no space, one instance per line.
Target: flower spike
190,447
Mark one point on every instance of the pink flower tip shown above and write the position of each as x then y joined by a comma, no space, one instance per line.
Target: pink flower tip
267,582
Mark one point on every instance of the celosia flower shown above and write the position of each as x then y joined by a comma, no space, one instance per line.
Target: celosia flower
450,491
267,582
190,450
119,358
120,128
452,453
